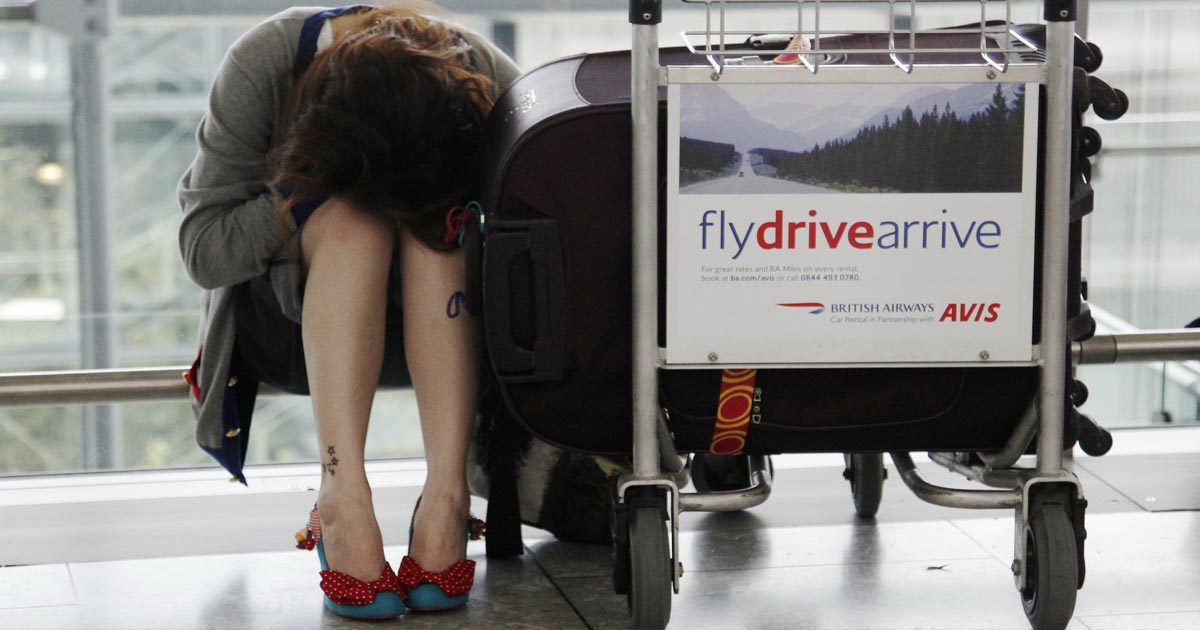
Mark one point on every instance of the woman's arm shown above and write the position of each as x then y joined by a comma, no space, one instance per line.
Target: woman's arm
229,230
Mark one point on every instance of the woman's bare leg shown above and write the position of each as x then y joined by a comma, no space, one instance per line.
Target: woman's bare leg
443,358
347,254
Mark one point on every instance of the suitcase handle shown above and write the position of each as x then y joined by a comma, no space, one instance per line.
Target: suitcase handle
525,303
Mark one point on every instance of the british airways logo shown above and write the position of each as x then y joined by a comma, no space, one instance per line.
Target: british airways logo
815,308
953,312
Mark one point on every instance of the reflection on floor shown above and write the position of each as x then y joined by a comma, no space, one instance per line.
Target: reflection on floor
800,561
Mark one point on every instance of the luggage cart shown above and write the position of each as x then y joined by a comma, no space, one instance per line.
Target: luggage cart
1047,499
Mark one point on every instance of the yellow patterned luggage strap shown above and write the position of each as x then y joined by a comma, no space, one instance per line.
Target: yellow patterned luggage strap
733,412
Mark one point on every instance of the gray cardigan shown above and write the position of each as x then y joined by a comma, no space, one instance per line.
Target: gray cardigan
229,231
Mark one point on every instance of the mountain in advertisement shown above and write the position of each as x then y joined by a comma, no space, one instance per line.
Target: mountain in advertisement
710,113
963,101
796,118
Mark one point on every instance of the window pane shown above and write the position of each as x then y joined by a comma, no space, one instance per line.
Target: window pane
1142,258
1141,261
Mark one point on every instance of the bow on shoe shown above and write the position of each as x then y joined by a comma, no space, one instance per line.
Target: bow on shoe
455,581
351,591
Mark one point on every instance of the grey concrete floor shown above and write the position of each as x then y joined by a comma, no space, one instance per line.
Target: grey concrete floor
802,560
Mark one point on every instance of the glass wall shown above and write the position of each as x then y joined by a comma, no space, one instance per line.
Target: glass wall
38,272
1142,264
159,74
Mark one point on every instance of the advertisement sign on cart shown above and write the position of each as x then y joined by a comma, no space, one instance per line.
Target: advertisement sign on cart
851,223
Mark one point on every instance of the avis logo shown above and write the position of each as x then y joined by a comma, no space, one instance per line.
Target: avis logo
816,308
971,313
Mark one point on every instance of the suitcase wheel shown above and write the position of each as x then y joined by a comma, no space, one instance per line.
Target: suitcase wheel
866,473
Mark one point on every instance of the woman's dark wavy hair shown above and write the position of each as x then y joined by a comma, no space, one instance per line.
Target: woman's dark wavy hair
390,117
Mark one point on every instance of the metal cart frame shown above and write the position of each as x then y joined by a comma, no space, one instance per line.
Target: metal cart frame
1047,576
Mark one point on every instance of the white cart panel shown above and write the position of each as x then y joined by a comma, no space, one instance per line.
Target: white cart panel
794,238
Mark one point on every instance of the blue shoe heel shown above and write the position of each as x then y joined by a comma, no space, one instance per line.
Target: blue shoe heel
348,596
428,597
429,592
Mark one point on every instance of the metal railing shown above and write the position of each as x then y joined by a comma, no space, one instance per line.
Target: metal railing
26,389
166,383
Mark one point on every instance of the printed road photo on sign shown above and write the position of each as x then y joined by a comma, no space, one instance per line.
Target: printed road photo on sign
751,139
851,223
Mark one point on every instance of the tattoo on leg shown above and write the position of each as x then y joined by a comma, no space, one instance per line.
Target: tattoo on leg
454,307
329,467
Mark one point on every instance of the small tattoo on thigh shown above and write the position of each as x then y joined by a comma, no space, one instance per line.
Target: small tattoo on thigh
455,306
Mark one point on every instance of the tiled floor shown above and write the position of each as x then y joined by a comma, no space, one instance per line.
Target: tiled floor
799,561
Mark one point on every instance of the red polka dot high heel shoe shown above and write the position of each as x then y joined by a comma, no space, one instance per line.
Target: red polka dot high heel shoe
428,592
348,596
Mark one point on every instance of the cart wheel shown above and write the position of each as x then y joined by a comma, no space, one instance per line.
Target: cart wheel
865,473
650,563
1094,439
1089,142
1107,102
717,473
1079,393
618,521
620,565
698,472
1051,574
1091,62
714,473
1124,99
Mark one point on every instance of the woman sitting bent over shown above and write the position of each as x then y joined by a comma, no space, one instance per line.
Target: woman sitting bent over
336,144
